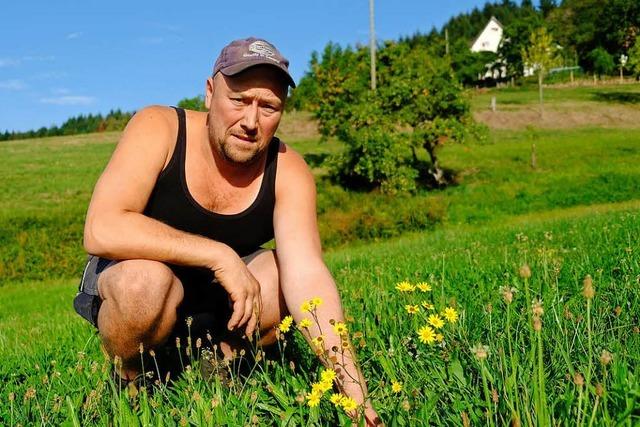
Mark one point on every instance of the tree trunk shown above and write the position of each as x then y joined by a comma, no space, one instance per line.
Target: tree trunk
540,93
435,171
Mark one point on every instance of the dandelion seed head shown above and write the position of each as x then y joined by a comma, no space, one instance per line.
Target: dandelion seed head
605,357
480,351
587,287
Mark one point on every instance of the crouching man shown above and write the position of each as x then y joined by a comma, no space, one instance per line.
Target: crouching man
178,217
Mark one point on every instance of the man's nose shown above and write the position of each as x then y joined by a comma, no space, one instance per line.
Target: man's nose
250,118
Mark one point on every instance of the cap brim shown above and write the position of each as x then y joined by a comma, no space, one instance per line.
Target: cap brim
234,69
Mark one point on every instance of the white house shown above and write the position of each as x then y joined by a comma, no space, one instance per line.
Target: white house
489,39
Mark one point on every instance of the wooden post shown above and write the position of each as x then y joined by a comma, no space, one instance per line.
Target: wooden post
534,160
372,46
493,103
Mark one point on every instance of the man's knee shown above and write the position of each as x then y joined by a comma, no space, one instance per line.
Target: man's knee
140,289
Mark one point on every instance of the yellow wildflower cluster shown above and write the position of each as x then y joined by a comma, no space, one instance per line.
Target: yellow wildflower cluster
429,333
325,384
285,325
304,324
412,309
310,305
405,286
340,328
423,286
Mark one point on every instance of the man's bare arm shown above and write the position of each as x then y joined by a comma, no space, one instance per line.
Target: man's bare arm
116,228
303,272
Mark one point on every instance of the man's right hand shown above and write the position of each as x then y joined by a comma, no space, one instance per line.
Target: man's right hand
244,292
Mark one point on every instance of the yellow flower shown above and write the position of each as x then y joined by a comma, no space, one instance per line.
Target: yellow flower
340,328
348,404
426,305
405,286
285,325
426,334
412,309
318,341
306,307
396,387
328,375
313,399
336,399
436,321
316,302
450,314
304,323
424,287
439,337
321,387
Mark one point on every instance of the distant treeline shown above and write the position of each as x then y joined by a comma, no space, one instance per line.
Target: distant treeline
114,120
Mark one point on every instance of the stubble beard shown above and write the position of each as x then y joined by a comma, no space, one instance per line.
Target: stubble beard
238,157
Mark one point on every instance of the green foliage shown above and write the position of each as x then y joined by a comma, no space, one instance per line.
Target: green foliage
600,61
114,120
418,106
634,58
468,65
196,103
585,25
515,40
541,54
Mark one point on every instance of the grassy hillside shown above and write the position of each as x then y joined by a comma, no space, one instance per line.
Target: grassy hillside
548,339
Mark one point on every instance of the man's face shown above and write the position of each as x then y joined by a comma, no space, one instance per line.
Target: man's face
244,112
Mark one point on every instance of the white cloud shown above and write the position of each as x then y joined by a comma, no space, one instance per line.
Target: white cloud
9,62
69,100
72,36
13,84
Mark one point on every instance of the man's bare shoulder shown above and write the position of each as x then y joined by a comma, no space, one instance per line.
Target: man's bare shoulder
292,168
154,119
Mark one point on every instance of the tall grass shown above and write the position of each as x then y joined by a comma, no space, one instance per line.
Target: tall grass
545,342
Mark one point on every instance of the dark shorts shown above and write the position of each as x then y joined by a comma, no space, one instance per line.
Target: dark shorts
205,301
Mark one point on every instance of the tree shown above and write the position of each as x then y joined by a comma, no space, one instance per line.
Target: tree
600,61
547,6
514,40
541,55
196,103
634,58
418,105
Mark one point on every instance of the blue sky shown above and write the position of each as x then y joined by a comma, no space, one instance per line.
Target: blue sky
62,58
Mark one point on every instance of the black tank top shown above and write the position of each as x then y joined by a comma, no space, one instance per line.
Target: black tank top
171,203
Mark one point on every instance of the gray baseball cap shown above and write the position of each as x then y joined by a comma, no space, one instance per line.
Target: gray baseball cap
241,54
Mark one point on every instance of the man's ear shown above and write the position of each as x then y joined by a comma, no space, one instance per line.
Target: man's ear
208,91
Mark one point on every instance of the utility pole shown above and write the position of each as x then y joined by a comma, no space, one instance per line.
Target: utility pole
372,46
446,41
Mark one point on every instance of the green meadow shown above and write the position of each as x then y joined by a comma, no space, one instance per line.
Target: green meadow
535,248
